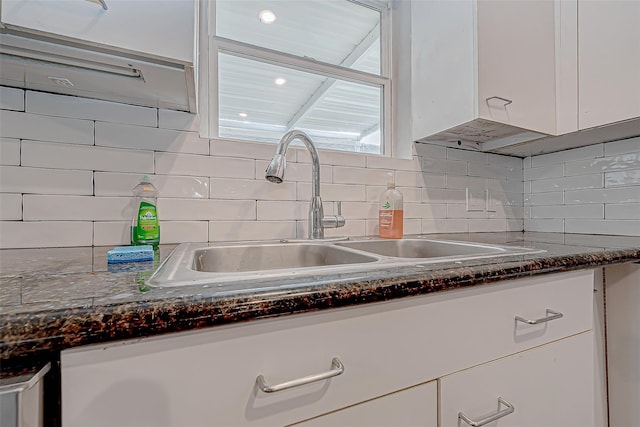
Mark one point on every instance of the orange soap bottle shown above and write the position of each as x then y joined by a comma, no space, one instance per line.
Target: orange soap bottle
390,212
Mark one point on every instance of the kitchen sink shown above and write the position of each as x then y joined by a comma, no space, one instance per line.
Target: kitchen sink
248,258
271,263
423,248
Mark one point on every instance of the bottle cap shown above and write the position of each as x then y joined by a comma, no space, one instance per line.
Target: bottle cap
390,181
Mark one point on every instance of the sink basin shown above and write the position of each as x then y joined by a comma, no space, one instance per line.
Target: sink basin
233,259
251,265
423,248
192,264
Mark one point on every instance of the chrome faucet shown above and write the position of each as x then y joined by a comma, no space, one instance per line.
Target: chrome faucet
275,173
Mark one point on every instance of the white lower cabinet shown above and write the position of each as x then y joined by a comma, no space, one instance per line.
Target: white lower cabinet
414,407
548,386
375,364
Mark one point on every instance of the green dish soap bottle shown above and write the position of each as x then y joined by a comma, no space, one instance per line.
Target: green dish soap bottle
145,229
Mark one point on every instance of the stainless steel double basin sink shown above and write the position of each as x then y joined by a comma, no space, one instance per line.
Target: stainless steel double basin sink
226,263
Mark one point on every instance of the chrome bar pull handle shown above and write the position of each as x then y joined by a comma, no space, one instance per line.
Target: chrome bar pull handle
551,315
505,100
337,368
491,418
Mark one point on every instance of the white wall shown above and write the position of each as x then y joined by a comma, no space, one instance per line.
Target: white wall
591,190
69,164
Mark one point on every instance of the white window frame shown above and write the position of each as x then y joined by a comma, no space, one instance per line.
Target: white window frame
212,45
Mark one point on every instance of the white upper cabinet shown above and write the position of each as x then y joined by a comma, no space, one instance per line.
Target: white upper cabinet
495,75
609,59
160,29
139,52
493,70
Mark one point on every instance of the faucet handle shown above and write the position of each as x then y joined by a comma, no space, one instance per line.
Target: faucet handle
334,221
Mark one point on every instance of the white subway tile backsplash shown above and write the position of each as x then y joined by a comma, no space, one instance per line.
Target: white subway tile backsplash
11,99
205,209
604,164
50,104
467,155
249,150
487,225
423,210
595,211
460,211
464,182
329,157
245,189
567,183
436,195
191,164
617,179
544,172
10,207
412,226
629,145
272,210
359,210
333,192
419,179
544,225
70,156
347,175
45,128
9,151
121,184
113,233
436,225
502,186
487,171
220,231
16,179
77,208
178,120
351,228
538,199
588,152
604,195
609,226
150,138
431,151
623,211
184,231
450,167
45,234
507,161
382,162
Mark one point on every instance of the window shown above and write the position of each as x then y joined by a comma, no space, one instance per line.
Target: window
320,66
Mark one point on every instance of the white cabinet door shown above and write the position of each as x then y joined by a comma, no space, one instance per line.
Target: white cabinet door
516,63
160,29
490,70
609,61
414,407
550,386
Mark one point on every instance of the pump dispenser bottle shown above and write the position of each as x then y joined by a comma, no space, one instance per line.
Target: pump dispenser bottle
390,211
145,229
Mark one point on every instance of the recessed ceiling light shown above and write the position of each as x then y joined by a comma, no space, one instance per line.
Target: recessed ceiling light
280,81
267,17
242,114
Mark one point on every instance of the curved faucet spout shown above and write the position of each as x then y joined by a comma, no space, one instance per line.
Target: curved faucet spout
275,173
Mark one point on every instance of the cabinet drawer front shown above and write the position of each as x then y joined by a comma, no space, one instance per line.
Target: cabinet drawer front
210,376
549,386
161,29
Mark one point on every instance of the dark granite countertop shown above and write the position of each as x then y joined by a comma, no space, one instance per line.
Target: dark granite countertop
53,299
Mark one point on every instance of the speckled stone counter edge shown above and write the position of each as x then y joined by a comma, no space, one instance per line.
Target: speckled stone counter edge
43,332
